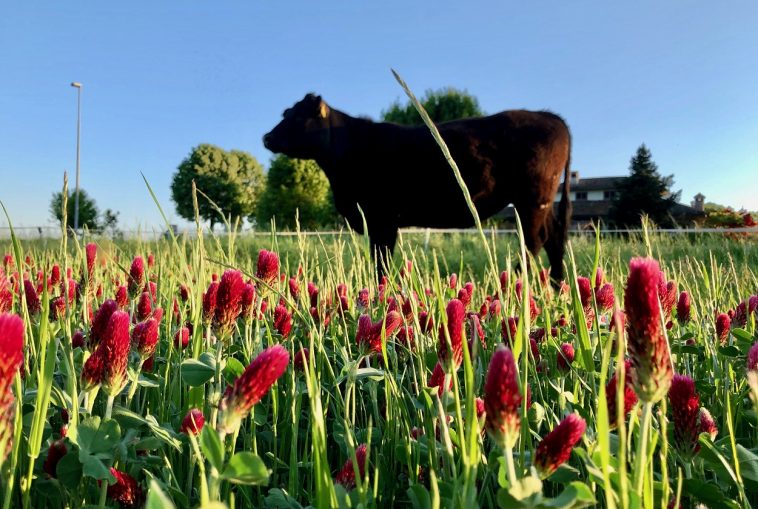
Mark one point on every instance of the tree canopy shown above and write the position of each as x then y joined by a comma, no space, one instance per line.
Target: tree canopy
88,212
296,185
644,192
442,105
233,179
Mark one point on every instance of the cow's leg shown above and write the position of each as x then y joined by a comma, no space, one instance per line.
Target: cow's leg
382,246
533,224
555,249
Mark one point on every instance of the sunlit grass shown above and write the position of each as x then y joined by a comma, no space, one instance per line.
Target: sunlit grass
312,422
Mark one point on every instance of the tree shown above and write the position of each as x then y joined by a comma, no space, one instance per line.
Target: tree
296,184
88,213
109,221
720,216
442,105
644,192
233,179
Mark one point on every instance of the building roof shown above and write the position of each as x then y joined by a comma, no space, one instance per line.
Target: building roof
597,183
682,210
583,210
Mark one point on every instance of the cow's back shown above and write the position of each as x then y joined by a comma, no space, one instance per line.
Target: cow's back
501,157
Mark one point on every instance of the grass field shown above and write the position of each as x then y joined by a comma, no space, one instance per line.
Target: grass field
363,421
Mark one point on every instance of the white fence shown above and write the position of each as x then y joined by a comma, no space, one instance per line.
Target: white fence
51,232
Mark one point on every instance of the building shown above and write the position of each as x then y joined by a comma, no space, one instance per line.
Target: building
591,200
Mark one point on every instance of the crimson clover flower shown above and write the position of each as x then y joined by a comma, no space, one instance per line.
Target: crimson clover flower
144,306
228,302
115,348
100,322
502,399
54,454
91,255
706,423
248,302
181,338
32,299
369,334
451,355
437,379
126,491
683,308
209,302
646,339
145,337
282,320
723,322
12,348
565,357
193,422
267,266
346,475
301,359
122,297
605,297
752,357
136,276
630,397
555,448
250,387
685,408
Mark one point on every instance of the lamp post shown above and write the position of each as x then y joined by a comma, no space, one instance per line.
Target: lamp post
78,87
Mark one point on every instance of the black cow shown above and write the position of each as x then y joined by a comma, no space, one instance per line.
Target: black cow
399,177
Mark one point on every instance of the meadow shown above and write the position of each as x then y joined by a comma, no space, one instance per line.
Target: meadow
277,372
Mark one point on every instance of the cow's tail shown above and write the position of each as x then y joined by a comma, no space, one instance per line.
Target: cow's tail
562,221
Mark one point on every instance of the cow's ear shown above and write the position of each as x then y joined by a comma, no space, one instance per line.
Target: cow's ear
323,109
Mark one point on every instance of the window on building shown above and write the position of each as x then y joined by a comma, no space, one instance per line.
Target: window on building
581,195
609,195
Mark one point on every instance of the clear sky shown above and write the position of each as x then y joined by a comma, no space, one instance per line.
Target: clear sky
680,76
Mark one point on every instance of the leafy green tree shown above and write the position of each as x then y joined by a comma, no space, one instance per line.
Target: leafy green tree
720,216
296,185
644,192
442,105
233,179
88,212
109,221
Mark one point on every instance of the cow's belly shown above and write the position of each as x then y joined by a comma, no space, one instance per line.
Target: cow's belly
430,212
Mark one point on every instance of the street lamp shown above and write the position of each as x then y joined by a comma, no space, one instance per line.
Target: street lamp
78,87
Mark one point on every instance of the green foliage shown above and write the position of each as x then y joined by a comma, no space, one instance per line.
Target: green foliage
296,185
96,439
726,217
233,179
442,105
246,468
212,448
88,212
195,372
644,192
425,450
109,220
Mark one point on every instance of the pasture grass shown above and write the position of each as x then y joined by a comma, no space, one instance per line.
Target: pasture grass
305,429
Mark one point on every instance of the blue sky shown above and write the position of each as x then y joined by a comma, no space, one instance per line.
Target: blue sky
159,79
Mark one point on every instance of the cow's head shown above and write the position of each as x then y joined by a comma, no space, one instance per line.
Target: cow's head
303,132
